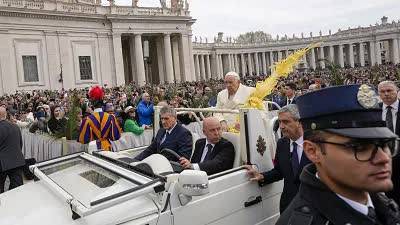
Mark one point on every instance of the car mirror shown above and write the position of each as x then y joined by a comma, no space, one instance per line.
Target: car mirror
193,183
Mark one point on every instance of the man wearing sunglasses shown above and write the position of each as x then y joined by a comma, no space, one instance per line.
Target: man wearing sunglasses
351,149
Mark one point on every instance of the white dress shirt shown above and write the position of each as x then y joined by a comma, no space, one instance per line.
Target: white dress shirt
205,151
299,143
289,100
358,206
361,208
395,108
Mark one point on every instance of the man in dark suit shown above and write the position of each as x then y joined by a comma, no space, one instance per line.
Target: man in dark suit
390,106
289,158
212,154
172,136
290,93
11,158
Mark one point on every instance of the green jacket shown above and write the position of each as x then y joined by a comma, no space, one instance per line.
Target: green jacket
131,126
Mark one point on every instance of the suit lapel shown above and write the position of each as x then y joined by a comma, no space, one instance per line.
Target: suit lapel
161,138
397,128
200,145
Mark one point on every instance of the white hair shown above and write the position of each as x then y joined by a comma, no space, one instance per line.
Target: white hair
387,82
233,74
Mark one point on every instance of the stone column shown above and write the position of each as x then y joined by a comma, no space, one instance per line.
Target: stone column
176,60
286,53
208,67
191,60
264,63
133,59
372,58
217,57
256,63
394,51
361,54
160,59
118,59
197,67
202,68
340,56
229,62
184,58
169,70
313,65
243,64
214,65
221,66
331,54
321,57
279,56
140,72
378,53
236,63
271,60
250,66
350,53
305,61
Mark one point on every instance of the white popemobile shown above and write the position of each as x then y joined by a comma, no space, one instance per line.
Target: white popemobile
108,188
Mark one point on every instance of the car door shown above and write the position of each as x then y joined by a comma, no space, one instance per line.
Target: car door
233,199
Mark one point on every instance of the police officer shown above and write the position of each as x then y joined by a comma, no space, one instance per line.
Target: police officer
348,144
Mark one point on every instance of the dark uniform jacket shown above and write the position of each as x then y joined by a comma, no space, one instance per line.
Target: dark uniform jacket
221,158
316,204
10,146
283,170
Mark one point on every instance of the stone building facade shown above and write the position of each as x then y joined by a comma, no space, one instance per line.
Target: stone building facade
55,44
351,48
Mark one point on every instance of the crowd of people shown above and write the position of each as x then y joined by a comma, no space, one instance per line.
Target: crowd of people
360,135
47,111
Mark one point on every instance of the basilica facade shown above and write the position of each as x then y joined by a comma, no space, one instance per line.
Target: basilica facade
55,44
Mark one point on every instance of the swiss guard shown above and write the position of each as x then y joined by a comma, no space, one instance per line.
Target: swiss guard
99,126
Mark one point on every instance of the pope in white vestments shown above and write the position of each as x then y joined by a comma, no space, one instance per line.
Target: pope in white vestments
232,97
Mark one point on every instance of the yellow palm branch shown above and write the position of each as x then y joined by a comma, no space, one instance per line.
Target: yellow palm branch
280,69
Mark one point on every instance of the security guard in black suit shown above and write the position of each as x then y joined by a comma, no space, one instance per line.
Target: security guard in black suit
289,157
11,158
348,144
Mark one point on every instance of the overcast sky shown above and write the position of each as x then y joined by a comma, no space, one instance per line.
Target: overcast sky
281,17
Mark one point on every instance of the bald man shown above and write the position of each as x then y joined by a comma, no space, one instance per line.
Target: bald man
212,154
233,96
11,158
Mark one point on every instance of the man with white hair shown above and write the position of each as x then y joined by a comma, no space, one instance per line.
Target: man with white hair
390,106
233,96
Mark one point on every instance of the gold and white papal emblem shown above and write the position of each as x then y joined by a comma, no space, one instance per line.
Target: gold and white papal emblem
367,97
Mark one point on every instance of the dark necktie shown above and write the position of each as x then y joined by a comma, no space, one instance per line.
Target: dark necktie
389,117
209,149
371,213
295,159
165,138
